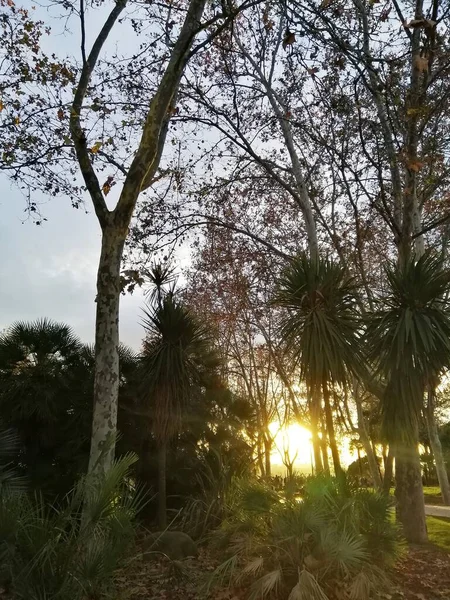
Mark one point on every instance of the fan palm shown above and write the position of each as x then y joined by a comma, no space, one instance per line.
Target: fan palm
43,396
408,339
177,360
322,329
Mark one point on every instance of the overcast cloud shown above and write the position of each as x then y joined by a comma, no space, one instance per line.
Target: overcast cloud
50,270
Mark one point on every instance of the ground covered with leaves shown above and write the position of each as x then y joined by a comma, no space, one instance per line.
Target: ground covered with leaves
422,574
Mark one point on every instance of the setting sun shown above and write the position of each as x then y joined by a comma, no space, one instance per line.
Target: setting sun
294,439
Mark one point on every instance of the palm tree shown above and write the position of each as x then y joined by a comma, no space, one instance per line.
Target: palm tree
322,329
178,358
44,398
408,340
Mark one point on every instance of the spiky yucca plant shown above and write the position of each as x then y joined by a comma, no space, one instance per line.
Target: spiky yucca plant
321,327
177,360
408,339
321,324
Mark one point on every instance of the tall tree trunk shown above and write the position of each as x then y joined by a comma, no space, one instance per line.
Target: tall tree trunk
330,429
267,453
162,485
409,493
324,448
436,447
260,456
315,418
106,384
115,223
365,441
388,472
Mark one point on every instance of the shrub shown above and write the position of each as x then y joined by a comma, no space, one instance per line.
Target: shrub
333,540
68,552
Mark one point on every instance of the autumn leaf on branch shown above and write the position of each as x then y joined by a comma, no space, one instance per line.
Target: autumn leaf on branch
289,39
414,165
96,147
268,23
106,187
420,63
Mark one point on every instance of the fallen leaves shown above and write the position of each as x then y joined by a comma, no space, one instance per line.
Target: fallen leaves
423,574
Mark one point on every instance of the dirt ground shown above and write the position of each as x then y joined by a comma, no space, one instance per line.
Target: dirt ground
422,574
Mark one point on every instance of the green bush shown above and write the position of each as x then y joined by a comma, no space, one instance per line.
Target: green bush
333,540
68,552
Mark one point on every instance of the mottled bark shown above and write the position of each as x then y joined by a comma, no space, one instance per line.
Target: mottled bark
106,385
162,485
409,493
115,223
436,447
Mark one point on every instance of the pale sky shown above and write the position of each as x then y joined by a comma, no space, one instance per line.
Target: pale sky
50,270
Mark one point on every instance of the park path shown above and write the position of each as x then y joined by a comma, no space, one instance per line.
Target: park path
437,511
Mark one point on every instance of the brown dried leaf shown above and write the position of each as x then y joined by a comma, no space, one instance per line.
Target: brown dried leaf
420,63
96,147
289,39
414,165
416,23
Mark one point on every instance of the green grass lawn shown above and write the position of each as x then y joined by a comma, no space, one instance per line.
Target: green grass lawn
432,495
439,532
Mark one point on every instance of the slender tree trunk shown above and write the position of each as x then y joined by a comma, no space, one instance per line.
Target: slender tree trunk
267,453
315,417
106,385
260,460
436,447
324,445
162,485
330,429
324,448
365,441
115,223
409,493
388,472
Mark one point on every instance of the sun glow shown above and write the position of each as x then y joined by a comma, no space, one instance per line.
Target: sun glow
293,441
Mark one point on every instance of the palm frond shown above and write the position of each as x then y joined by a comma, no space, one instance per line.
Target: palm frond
178,354
321,324
223,574
265,585
307,588
408,339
